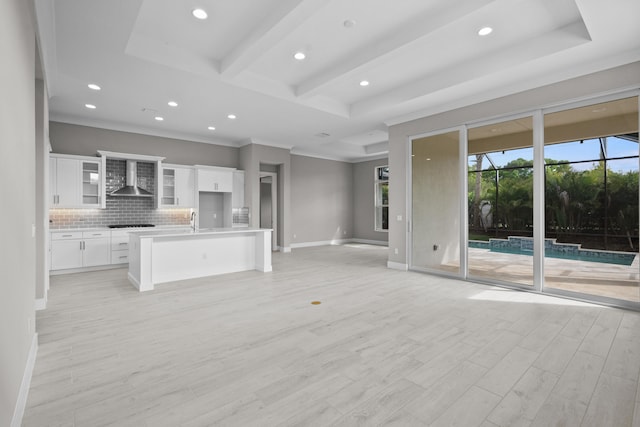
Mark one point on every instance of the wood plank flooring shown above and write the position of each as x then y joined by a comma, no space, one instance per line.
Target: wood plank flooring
384,348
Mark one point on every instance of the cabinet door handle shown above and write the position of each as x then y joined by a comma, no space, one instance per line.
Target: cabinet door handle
123,243
123,256
67,235
80,245
177,200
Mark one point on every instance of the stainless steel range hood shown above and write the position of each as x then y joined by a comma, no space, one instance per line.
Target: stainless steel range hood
131,189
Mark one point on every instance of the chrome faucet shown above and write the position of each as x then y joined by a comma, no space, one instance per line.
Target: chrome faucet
193,221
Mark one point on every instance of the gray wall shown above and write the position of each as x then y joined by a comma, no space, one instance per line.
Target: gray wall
42,189
253,158
321,200
17,166
86,141
627,76
364,201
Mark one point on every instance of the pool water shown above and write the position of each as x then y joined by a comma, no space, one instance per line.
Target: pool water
524,246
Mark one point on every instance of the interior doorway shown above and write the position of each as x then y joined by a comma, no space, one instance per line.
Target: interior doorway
269,205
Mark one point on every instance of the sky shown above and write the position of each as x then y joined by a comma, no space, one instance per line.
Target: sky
574,151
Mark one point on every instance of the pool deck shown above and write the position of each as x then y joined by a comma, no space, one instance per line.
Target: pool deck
593,278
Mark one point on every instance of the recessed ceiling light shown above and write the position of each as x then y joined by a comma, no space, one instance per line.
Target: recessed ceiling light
211,128
231,116
158,118
199,13
299,56
364,83
172,104
93,86
485,31
90,106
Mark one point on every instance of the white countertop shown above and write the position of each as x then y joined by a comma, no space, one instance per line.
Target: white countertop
128,229
199,232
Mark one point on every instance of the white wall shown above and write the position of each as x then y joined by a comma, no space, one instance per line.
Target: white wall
624,77
17,216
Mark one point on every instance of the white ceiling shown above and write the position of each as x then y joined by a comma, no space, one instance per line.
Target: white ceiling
420,56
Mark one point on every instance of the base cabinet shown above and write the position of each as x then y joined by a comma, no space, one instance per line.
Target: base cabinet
66,254
96,252
78,249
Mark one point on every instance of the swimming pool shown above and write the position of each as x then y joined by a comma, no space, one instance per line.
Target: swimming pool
552,249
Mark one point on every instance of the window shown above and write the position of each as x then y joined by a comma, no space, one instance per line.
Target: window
382,198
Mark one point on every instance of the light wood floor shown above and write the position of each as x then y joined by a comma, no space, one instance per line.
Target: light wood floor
384,348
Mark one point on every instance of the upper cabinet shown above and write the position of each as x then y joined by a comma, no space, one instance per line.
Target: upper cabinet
76,182
215,179
178,186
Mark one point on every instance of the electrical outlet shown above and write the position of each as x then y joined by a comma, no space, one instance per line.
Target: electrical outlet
399,217
294,236
395,251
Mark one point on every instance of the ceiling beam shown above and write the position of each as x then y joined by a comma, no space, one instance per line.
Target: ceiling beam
470,69
379,50
288,16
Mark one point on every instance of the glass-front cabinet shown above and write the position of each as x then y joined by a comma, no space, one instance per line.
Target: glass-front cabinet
168,187
75,182
91,183
178,186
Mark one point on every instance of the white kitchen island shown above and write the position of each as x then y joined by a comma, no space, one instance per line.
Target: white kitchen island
161,256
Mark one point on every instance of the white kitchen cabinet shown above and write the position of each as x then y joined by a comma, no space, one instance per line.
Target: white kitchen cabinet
75,182
66,250
64,182
119,247
178,186
237,199
96,248
213,179
78,249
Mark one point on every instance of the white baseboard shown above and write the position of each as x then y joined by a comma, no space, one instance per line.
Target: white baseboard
370,242
21,404
397,266
320,243
41,304
86,269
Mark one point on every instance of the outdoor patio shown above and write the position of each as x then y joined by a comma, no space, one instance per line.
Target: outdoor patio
592,278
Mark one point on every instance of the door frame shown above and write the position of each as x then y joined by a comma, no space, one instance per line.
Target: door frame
274,206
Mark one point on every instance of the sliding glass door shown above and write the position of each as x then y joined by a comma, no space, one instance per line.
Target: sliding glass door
500,201
435,179
591,200
587,202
